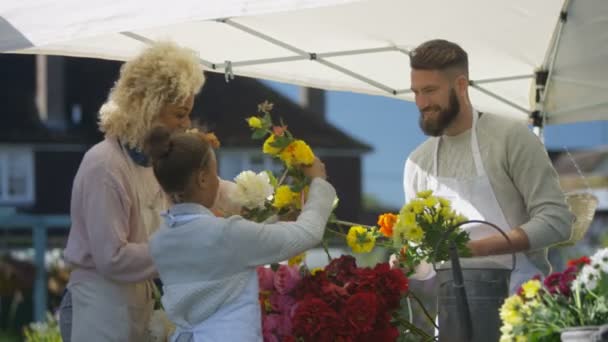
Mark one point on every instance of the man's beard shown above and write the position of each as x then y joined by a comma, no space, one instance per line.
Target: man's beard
445,117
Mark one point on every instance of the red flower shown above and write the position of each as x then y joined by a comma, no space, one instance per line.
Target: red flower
310,286
559,283
391,284
360,311
389,334
342,269
580,262
314,320
333,294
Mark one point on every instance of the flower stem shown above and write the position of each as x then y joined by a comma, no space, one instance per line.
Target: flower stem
283,176
324,243
349,224
414,329
426,313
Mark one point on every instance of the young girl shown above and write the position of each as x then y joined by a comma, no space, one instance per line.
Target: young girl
207,263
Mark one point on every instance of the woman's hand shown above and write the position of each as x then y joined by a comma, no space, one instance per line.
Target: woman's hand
317,169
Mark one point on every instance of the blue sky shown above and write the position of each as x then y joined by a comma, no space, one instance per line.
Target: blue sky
391,127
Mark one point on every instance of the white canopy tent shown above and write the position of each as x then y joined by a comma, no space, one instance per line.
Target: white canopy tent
360,46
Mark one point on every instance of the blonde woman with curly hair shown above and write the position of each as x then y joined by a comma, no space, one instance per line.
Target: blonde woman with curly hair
116,200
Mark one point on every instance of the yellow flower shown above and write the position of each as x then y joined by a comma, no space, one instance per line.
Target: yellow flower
417,206
407,219
506,329
360,239
444,202
315,270
264,298
430,201
414,233
459,219
284,197
529,307
297,153
506,333
424,194
446,213
531,288
254,122
510,310
268,148
296,260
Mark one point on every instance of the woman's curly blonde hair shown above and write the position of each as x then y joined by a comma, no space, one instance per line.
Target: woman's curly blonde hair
162,74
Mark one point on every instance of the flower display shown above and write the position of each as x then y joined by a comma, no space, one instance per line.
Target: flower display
540,310
340,302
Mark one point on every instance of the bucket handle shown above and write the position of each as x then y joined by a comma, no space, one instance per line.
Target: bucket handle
458,282
473,221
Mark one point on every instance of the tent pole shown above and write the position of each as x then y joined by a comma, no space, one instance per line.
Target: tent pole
544,75
499,98
313,56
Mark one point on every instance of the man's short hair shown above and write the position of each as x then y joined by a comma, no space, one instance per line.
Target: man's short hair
439,54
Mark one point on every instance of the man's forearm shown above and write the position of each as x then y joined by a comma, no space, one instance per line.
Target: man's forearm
497,244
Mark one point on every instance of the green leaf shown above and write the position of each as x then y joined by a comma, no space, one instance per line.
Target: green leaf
273,180
281,142
259,134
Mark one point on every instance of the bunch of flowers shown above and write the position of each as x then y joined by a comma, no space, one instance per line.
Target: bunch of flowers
340,302
421,231
47,331
575,297
262,195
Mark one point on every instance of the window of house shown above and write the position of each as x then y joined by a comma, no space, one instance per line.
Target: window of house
232,163
16,176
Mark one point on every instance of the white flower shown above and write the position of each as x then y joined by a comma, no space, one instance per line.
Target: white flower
252,190
587,279
600,260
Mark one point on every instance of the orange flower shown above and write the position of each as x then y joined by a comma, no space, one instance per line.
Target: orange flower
211,139
403,254
386,223
279,130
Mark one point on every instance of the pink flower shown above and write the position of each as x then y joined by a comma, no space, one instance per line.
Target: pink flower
281,303
266,278
268,337
286,278
271,323
286,328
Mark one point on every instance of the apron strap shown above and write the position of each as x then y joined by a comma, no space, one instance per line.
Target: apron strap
474,150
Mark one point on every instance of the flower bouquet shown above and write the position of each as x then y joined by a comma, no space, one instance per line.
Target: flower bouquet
421,232
576,297
339,302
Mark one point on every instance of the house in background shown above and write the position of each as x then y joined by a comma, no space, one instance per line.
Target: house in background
49,116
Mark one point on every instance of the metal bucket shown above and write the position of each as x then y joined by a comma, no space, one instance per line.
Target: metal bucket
471,292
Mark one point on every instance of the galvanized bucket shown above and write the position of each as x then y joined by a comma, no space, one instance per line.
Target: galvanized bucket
471,292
